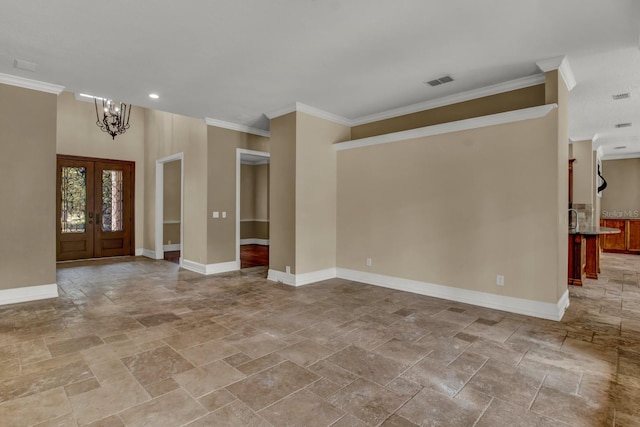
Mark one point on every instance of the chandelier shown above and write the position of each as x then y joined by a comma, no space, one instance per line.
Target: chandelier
115,119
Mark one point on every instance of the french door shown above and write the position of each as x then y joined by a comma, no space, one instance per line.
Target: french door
94,208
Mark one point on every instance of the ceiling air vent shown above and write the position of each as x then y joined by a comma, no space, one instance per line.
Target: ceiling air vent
441,80
620,147
621,96
623,125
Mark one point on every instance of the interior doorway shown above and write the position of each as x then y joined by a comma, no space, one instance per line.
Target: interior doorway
169,235
252,204
94,208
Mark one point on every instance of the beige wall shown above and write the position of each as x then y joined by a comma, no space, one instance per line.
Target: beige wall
621,198
499,103
316,192
222,145
262,191
171,201
556,91
282,191
247,192
254,201
583,172
78,135
254,230
28,187
456,209
167,134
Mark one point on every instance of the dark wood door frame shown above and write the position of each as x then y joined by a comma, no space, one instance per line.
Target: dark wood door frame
93,165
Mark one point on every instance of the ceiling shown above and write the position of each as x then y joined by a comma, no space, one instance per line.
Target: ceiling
237,61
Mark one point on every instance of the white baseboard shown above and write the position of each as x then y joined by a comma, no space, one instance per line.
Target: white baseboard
221,267
28,293
264,242
543,310
148,253
139,251
301,279
173,247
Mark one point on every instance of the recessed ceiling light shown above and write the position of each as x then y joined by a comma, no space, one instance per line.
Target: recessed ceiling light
620,147
619,96
154,96
623,125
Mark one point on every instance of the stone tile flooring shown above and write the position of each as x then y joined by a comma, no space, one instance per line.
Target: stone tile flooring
135,342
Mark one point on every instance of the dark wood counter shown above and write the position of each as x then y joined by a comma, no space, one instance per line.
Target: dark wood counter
584,253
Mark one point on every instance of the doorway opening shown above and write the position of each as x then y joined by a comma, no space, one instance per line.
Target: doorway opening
252,204
169,236
94,208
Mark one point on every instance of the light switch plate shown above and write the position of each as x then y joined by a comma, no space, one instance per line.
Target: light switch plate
216,214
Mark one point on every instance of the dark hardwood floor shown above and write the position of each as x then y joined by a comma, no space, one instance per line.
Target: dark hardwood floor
254,256
172,256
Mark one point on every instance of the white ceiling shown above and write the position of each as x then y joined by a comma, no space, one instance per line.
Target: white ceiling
236,60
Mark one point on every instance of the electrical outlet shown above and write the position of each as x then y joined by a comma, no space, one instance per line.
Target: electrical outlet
368,262
500,280
287,269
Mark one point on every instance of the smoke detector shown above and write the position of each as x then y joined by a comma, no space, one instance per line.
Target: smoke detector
439,81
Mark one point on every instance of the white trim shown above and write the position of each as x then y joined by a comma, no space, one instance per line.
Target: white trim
149,254
460,125
452,99
551,311
316,112
172,247
560,63
301,279
174,221
254,220
312,111
221,267
139,251
159,226
258,163
234,126
634,155
28,293
281,111
263,242
239,153
31,84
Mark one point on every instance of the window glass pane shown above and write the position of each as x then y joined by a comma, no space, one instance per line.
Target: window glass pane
112,200
74,199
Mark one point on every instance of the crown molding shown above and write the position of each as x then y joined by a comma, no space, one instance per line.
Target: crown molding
452,99
624,156
281,111
560,63
234,126
8,79
312,111
591,138
307,109
460,125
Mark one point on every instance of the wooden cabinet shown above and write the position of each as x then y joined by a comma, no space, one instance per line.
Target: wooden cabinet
633,236
614,242
628,241
577,259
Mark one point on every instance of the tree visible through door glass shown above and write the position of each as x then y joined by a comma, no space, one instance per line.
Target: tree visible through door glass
74,199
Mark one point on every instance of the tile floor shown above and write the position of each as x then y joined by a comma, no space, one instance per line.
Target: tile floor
135,342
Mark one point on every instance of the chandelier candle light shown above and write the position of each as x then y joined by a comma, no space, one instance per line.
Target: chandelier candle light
115,120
